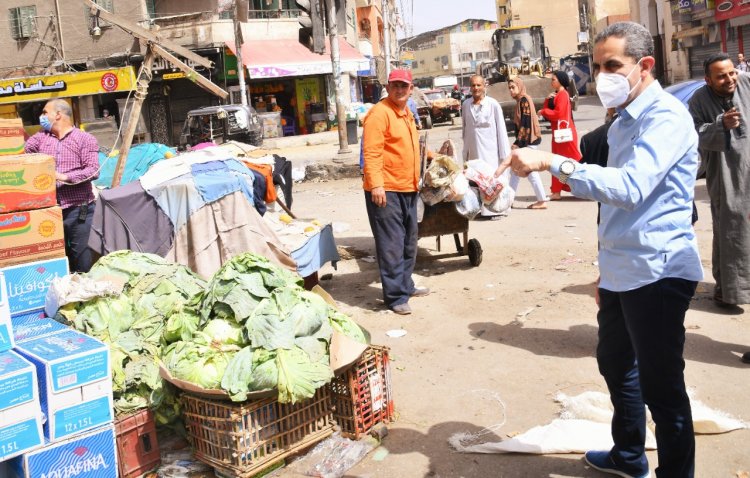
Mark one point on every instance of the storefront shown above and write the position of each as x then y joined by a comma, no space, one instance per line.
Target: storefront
172,94
91,94
284,76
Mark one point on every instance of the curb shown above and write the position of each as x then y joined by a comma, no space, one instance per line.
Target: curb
332,170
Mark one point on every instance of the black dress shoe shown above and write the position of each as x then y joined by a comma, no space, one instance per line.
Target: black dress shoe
746,357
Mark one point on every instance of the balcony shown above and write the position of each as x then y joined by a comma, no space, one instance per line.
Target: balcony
273,14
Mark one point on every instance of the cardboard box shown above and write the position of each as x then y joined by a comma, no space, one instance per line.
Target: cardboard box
29,236
27,181
91,455
11,136
27,284
20,412
6,329
75,382
31,325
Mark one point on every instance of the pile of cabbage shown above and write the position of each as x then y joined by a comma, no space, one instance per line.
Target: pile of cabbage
258,330
159,303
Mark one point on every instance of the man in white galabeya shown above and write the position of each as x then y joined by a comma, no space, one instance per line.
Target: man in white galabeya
648,258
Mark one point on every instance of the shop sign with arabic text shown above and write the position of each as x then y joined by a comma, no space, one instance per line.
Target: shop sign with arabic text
40,88
726,9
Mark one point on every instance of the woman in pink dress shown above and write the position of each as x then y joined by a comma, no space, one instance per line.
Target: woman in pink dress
557,109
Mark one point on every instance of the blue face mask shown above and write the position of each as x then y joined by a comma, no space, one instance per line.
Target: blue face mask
45,123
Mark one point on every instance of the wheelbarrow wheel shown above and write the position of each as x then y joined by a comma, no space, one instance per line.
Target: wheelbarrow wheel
475,252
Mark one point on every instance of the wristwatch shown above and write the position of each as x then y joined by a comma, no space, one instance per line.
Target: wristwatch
567,168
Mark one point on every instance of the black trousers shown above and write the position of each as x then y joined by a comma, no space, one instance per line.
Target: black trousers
641,341
394,228
76,227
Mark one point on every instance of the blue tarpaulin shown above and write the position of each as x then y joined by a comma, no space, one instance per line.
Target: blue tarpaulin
140,158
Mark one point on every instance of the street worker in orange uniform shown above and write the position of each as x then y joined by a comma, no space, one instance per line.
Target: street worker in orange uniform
391,176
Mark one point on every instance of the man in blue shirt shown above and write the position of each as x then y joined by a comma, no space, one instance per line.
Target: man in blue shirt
648,259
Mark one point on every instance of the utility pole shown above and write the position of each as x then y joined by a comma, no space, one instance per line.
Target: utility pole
333,32
59,30
587,27
237,45
387,38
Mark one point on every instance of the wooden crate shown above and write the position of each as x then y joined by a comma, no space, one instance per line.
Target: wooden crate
137,445
362,395
240,439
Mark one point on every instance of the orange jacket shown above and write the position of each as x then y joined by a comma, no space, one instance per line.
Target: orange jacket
391,149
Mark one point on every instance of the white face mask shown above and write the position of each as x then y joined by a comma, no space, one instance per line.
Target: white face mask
614,89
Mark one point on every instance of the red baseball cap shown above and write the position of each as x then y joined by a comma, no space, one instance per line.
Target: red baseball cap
400,75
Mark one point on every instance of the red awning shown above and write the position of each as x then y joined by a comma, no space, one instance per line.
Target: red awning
280,58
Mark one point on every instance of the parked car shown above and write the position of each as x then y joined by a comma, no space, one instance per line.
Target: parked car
683,91
443,108
220,124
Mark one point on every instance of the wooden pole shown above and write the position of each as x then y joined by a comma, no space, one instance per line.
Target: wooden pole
192,75
141,91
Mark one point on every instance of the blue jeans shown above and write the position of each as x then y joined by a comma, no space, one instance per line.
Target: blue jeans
76,227
394,228
641,340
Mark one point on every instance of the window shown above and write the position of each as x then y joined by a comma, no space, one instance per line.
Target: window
440,40
94,21
151,8
414,65
465,57
483,55
22,22
444,60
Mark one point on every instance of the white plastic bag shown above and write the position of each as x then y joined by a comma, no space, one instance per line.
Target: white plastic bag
484,176
458,188
504,200
77,288
470,205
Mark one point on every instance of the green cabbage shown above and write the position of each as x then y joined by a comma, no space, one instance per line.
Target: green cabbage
200,361
224,331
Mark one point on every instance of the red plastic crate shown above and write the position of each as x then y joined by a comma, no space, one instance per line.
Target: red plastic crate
137,445
362,395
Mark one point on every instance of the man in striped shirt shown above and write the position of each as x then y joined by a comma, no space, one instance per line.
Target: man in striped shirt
76,156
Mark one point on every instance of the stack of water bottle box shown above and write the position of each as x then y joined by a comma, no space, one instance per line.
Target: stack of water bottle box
56,414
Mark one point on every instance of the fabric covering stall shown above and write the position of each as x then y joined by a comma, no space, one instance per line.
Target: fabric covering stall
197,209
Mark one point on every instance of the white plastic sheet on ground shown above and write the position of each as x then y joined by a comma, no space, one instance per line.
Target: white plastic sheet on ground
584,425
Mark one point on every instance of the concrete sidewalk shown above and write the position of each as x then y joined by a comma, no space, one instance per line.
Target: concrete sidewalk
316,156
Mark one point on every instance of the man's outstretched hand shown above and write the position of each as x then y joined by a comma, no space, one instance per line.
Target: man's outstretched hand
526,160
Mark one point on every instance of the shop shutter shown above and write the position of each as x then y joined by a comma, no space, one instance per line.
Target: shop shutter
733,45
697,55
746,40
22,22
